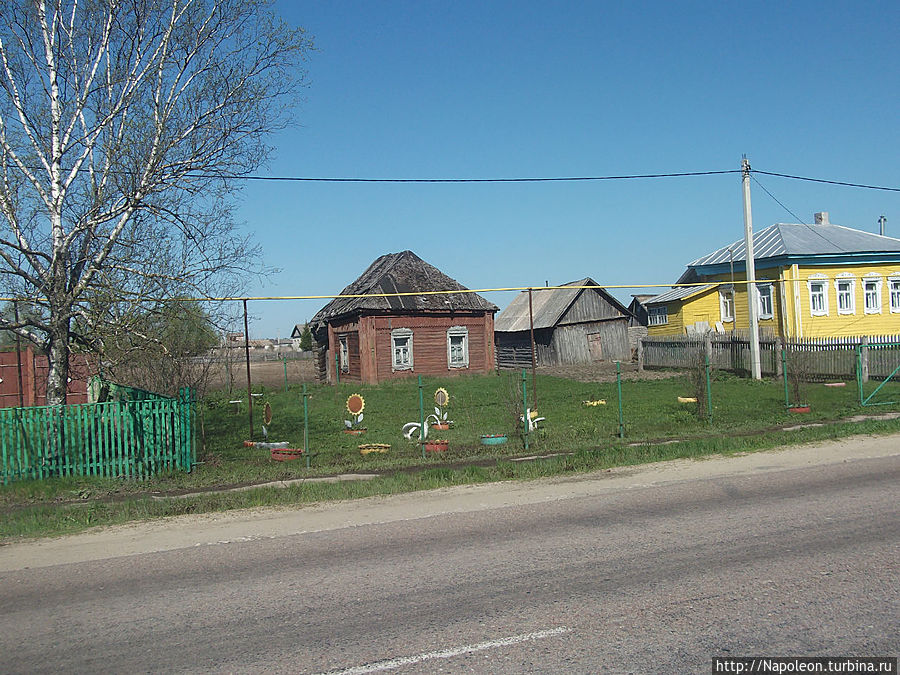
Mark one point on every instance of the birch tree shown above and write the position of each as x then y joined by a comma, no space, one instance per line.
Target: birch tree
123,127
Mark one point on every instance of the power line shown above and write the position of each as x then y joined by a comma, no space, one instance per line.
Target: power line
799,220
829,182
557,179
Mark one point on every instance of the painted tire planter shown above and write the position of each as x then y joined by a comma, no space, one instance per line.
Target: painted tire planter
286,454
436,445
493,439
369,448
799,409
355,432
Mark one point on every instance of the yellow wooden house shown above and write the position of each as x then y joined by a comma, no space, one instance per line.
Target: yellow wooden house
819,280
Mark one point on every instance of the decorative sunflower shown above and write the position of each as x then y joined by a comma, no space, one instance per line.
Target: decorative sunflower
441,397
355,404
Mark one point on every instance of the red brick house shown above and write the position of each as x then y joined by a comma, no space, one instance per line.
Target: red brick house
399,330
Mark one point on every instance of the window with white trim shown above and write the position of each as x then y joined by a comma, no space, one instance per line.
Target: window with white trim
894,290
764,292
458,347
872,294
726,304
818,295
345,353
658,316
401,349
844,288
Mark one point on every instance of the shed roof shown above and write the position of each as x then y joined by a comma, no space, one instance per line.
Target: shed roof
790,239
403,272
679,293
548,305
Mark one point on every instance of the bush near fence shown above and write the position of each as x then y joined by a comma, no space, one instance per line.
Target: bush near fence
833,357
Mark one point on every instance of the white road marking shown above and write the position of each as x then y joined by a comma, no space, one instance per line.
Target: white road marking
391,664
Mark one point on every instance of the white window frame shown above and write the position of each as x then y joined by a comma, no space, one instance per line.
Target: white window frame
765,290
821,280
344,350
401,334
872,278
658,315
724,294
850,294
458,332
894,292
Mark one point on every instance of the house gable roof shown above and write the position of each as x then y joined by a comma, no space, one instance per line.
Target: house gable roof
548,306
785,239
403,272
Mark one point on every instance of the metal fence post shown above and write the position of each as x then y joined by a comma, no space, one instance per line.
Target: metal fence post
421,417
708,394
619,388
306,424
525,417
784,374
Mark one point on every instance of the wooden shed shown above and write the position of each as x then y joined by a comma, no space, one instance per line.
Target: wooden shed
579,322
402,327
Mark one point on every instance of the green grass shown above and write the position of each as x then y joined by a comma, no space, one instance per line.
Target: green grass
745,416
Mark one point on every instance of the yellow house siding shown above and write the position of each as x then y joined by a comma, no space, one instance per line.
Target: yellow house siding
837,324
702,307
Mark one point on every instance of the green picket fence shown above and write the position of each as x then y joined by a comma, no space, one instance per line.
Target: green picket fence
128,438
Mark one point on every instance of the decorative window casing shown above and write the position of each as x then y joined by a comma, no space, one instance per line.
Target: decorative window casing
818,295
872,293
344,350
726,304
764,293
894,291
845,290
458,347
658,316
401,349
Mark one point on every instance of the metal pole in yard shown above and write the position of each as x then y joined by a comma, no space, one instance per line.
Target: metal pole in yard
306,424
619,388
421,416
708,393
284,359
247,358
533,356
525,417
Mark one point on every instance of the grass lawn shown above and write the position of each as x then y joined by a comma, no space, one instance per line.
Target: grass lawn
746,416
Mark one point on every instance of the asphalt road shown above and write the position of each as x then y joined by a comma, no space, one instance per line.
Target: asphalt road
650,576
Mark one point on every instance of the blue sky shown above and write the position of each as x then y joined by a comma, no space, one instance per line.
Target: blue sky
535,89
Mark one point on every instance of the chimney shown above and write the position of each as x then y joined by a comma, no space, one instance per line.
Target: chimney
821,218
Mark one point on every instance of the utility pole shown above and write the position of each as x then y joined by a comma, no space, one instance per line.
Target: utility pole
753,304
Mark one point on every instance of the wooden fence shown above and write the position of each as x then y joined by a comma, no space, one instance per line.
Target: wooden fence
819,358
132,437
